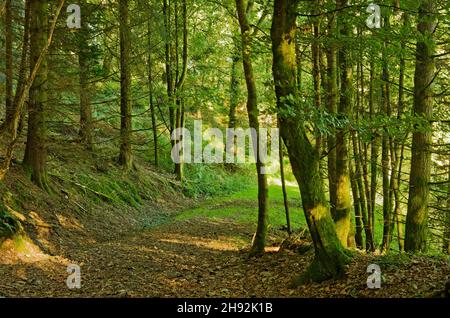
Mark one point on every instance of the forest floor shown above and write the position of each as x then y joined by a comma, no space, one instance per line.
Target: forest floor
204,254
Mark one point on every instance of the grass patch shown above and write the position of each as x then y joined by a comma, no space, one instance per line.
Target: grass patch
208,180
242,207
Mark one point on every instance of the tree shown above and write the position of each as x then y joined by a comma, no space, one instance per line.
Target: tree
180,78
85,94
386,141
35,151
330,256
125,156
23,90
150,85
446,240
9,63
416,218
332,94
342,216
259,240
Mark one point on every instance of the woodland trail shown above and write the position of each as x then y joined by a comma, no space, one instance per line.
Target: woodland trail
190,258
197,257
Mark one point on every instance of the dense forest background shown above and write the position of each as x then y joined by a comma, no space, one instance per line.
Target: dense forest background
363,111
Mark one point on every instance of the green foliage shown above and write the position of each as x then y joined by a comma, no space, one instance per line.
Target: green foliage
9,225
111,187
204,180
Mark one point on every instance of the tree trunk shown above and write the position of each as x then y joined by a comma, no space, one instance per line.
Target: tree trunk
9,35
416,219
283,185
386,149
342,216
400,148
35,152
357,206
125,156
180,78
329,255
23,71
168,67
85,103
360,156
332,109
374,153
150,89
446,241
234,91
253,113
316,71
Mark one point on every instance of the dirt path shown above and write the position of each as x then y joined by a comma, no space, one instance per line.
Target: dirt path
199,257
196,258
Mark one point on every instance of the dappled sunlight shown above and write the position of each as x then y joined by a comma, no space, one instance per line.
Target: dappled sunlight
320,212
69,222
221,244
20,249
272,180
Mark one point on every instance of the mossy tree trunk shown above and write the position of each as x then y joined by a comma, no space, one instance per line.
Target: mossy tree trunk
342,213
330,256
259,240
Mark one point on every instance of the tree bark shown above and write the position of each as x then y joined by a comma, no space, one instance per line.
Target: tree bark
150,89
23,71
180,79
85,102
283,185
342,216
168,67
35,151
332,109
125,155
9,36
374,153
253,113
416,219
357,207
446,241
234,90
